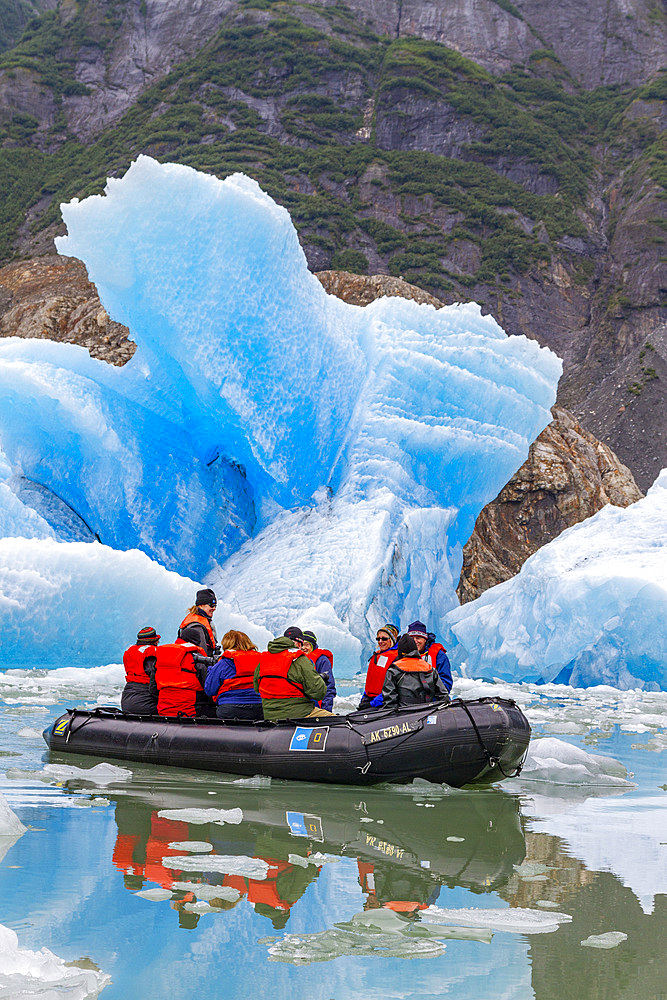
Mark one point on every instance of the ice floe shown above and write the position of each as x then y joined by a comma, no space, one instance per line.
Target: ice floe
200,816
42,974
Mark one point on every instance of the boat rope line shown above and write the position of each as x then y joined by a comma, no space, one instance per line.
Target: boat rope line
493,762
70,725
428,710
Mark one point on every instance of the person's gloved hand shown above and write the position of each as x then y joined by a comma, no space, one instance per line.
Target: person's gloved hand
325,678
376,702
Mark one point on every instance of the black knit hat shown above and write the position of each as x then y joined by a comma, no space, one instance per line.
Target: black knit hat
293,632
311,638
147,635
205,597
407,646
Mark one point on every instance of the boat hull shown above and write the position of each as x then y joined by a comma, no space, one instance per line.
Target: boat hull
459,743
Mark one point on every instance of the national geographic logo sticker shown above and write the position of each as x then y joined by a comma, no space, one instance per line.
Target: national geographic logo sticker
309,739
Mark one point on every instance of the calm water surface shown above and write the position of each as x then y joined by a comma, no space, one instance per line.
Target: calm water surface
303,890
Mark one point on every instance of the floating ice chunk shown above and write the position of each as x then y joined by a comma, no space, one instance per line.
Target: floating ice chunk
317,858
29,734
456,840
155,895
555,761
199,907
240,864
590,607
546,904
64,684
100,774
194,846
25,973
530,869
10,824
300,862
200,816
205,891
257,781
514,919
611,939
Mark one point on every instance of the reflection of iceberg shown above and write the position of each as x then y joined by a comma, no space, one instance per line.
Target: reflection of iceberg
588,608
253,392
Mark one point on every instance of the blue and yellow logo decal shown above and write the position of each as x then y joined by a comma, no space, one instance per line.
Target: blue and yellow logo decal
305,738
61,727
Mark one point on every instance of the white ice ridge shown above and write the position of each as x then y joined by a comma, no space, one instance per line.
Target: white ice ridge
349,448
10,824
588,608
556,762
25,973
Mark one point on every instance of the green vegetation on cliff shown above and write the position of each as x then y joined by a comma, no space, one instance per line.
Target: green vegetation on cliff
334,124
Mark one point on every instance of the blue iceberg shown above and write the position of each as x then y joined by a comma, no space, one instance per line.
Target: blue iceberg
314,461
588,608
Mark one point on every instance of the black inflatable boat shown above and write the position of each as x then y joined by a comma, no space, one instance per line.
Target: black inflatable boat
459,743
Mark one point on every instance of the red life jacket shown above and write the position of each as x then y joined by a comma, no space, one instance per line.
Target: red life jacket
377,668
133,661
176,678
316,653
432,652
273,682
411,665
245,663
195,618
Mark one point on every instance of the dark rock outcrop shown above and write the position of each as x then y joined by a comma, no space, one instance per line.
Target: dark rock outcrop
50,298
568,476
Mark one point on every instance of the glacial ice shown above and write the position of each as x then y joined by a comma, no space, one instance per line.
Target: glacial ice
10,824
556,762
199,816
588,608
25,973
236,864
315,461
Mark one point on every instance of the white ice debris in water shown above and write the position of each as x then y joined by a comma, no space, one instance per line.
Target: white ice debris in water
10,824
25,973
100,774
514,919
155,895
236,864
194,846
257,781
339,434
29,734
611,939
554,761
588,608
200,816
37,687
205,891
300,862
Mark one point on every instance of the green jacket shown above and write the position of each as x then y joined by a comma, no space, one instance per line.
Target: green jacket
302,672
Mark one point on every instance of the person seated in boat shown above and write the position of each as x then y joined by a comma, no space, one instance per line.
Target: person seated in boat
139,697
198,627
431,651
180,673
410,680
323,660
383,657
287,681
230,681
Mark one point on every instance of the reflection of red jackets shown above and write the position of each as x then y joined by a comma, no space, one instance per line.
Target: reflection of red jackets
245,663
176,678
133,661
367,883
377,668
273,670
123,854
163,832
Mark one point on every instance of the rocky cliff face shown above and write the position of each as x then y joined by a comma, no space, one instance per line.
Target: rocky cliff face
52,299
568,476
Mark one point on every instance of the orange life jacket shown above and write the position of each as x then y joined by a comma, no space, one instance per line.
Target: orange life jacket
176,678
432,652
195,618
273,682
245,663
411,665
133,661
377,668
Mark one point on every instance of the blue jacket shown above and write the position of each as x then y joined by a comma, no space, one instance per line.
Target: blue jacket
222,671
323,666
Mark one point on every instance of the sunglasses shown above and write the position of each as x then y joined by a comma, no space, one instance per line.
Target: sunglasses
382,638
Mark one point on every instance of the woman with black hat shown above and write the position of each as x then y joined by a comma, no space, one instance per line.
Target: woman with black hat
198,627
139,695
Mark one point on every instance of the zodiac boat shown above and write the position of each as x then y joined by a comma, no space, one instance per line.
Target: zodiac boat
459,743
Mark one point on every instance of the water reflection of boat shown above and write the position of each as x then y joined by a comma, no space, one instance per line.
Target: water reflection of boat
400,844
459,743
